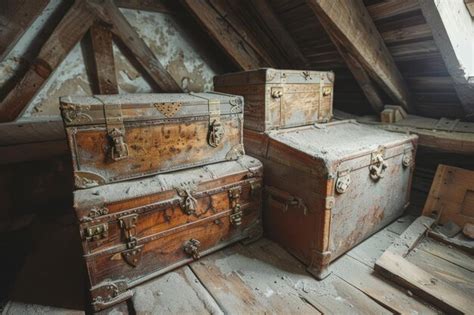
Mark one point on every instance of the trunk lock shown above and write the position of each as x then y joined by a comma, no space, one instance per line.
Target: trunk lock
407,159
343,181
189,203
234,201
133,254
378,166
216,133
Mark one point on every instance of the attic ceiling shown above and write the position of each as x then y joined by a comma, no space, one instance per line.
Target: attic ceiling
278,33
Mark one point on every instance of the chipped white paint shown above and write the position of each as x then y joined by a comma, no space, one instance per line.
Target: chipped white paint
19,53
69,78
180,54
173,48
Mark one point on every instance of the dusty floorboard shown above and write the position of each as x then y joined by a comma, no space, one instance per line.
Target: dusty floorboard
258,278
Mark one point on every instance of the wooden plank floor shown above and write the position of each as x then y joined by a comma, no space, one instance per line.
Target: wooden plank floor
257,278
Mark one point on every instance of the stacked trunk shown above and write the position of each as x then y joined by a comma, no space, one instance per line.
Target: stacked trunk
328,186
200,194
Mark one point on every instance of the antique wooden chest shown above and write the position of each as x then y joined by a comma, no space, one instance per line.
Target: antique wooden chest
281,98
132,231
330,186
119,137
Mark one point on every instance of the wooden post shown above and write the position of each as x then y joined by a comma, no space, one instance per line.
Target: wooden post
104,59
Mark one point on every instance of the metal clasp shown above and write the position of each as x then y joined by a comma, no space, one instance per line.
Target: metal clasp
188,203
96,232
119,147
234,202
216,133
191,247
343,181
133,254
378,165
277,92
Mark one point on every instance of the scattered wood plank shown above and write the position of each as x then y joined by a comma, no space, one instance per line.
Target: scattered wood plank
411,236
451,196
238,49
110,14
385,293
17,16
240,283
351,25
65,36
424,284
177,292
452,274
104,59
453,255
459,241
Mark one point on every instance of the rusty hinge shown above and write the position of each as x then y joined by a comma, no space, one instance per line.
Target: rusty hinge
255,188
109,293
191,247
377,164
234,202
96,232
132,255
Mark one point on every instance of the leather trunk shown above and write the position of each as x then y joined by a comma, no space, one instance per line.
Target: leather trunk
281,98
330,186
120,137
133,231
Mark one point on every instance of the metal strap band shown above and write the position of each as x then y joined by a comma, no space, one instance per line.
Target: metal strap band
115,129
214,108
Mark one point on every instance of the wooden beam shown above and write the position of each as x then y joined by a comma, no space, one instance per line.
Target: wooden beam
237,48
424,284
65,36
16,17
361,76
104,59
453,28
460,139
162,6
350,23
388,9
281,38
470,6
110,14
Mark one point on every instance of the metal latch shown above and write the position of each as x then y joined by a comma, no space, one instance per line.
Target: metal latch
191,247
133,253
109,293
96,232
234,202
276,92
343,181
378,165
407,159
115,130
216,133
188,203
255,188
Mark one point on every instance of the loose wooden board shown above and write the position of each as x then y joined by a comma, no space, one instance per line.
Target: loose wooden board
424,284
451,195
